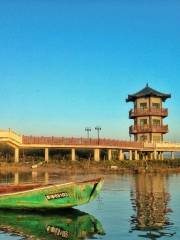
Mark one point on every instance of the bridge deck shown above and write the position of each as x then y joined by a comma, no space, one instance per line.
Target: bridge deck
20,141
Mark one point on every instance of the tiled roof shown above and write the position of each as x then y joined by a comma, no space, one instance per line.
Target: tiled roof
147,92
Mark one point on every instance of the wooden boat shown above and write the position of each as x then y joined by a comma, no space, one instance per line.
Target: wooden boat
36,196
70,224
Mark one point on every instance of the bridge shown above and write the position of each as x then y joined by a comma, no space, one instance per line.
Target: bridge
134,150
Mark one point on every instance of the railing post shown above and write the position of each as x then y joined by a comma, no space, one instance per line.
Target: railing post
172,155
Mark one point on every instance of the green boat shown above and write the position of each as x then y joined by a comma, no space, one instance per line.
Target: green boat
36,196
70,224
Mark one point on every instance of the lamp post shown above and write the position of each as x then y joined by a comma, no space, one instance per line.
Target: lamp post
88,129
98,130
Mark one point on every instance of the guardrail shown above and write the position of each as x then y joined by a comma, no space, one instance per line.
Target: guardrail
80,141
9,134
168,145
148,128
148,111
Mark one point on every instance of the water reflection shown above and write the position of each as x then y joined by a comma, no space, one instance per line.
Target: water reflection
27,177
36,176
71,224
150,201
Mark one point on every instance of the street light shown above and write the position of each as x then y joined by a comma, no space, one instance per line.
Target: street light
88,129
98,130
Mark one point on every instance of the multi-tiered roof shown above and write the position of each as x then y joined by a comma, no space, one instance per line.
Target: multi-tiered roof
147,92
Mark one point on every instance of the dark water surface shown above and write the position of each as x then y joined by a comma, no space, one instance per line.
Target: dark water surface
142,206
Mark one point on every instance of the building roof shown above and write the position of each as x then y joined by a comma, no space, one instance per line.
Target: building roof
147,92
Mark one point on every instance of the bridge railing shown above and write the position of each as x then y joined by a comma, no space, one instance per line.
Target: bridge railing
149,145
79,141
10,134
167,145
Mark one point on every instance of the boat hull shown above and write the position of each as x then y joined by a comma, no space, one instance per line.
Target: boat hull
53,196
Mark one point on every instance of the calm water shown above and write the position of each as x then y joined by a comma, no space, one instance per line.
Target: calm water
129,207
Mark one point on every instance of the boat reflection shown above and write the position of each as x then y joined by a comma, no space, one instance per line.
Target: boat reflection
150,201
68,224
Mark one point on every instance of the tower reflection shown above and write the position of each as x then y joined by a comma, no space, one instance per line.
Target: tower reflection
150,201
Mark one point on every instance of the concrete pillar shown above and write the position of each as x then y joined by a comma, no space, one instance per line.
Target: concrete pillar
172,155
16,178
155,155
46,154
46,178
130,155
34,176
97,154
73,154
121,155
109,154
151,155
136,155
16,155
160,156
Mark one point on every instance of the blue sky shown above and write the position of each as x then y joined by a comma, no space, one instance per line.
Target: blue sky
67,64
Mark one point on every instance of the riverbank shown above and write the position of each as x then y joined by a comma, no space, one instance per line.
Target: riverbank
85,166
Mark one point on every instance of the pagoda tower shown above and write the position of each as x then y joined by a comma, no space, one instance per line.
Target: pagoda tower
148,114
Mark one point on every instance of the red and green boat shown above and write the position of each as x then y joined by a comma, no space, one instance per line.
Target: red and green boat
51,196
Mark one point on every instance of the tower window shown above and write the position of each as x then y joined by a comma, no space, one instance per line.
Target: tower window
143,105
156,122
156,105
143,122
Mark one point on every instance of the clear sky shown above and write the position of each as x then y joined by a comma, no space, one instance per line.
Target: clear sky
68,64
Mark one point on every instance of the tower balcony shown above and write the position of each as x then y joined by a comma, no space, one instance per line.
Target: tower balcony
140,112
135,129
